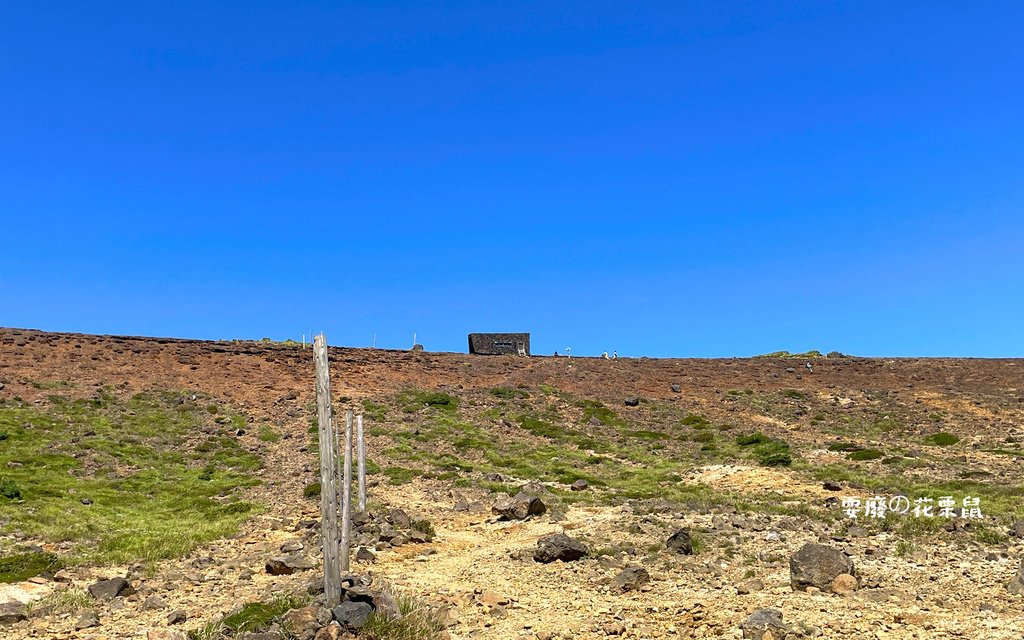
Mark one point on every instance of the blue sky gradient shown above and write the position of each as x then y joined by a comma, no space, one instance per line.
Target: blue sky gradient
675,179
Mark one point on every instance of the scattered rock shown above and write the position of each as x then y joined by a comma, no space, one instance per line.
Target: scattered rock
365,555
631,401
12,612
301,624
831,485
1017,529
330,632
110,589
558,546
166,634
176,617
519,507
291,546
817,565
676,388
351,614
844,584
399,518
284,565
579,485
764,624
631,579
88,620
1017,582
490,599
154,603
681,542
749,586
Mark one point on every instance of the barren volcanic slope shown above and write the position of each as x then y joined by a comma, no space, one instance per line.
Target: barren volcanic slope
184,466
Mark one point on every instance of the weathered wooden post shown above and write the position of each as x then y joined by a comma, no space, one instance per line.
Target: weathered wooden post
361,462
346,494
328,473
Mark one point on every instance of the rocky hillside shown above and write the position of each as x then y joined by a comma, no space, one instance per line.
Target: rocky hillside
158,488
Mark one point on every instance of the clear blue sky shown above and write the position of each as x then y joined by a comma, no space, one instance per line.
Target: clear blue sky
664,179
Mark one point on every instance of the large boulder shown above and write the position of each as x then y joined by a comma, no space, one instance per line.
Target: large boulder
110,589
558,546
817,565
519,507
1017,582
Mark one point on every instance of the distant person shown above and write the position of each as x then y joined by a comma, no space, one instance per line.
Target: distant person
605,355
615,355
556,354
810,368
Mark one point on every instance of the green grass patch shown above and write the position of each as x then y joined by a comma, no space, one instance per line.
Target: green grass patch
122,479
508,393
695,421
267,434
416,399
942,439
592,409
416,622
865,454
399,475
252,617
22,566
752,438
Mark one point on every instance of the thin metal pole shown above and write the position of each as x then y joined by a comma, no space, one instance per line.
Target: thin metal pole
346,494
328,473
361,462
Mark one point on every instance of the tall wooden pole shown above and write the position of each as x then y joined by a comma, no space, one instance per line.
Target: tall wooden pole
361,462
328,473
346,495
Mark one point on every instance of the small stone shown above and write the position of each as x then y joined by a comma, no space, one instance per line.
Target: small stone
681,542
110,589
817,565
177,616
490,598
352,615
764,624
844,584
631,579
330,632
749,586
166,634
558,546
579,485
284,565
631,401
519,507
88,620
365,555
676,388
831,485
154,603
399,518
301,624
1016,584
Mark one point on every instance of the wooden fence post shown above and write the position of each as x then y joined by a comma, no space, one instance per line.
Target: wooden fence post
361,462
346,494
328,473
